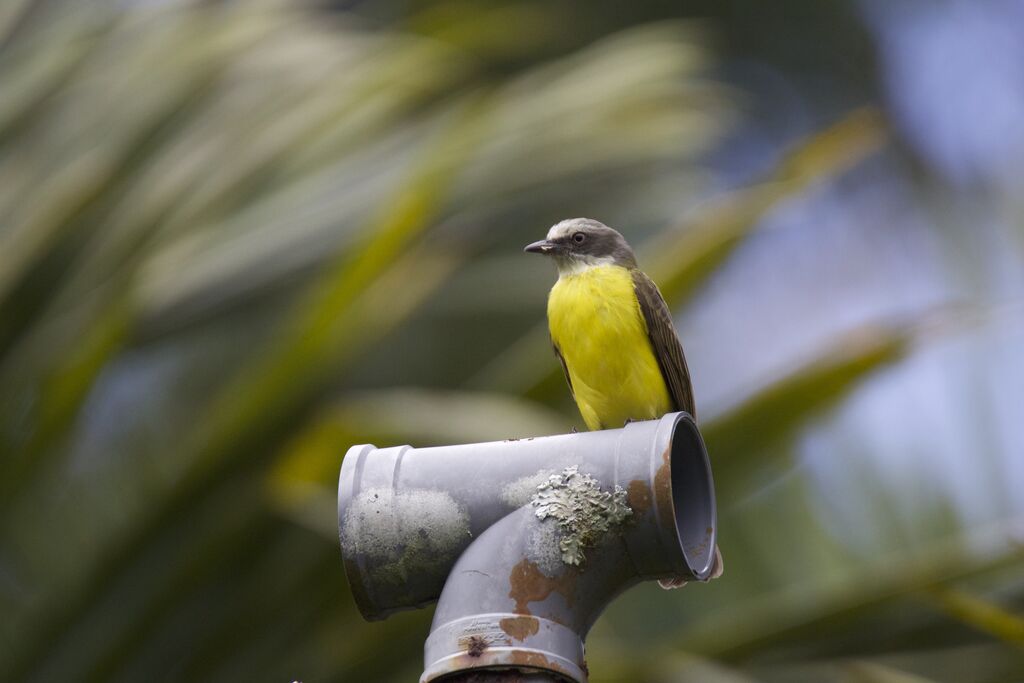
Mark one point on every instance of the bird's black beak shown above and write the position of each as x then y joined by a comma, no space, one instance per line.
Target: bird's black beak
541,247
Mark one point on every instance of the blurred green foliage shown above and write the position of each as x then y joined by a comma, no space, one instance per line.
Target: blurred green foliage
237,238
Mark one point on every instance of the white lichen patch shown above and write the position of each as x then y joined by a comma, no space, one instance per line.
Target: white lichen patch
583,511
542,548
520,492
405,533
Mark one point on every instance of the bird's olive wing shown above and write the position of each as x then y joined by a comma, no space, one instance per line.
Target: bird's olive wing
665,343
565,368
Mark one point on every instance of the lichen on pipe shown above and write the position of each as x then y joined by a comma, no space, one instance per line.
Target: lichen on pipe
584,512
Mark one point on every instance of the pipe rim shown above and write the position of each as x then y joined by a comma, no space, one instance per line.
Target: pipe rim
354,570
691,492
553,649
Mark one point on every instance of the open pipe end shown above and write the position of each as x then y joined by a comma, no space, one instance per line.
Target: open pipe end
692,498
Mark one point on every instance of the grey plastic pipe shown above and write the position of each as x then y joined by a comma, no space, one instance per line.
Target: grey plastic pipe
524,542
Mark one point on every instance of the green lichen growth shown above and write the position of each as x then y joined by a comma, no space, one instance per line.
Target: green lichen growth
407,534
583,511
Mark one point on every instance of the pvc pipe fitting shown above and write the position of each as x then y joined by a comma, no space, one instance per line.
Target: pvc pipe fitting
524,542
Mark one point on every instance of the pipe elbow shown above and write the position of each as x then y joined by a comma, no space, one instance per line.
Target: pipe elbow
525,593
512,601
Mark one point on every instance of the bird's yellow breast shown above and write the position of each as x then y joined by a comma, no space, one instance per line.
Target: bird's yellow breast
596,323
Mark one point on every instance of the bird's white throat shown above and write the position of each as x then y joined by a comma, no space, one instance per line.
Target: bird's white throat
581,264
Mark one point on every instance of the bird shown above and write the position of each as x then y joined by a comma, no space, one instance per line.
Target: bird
612,333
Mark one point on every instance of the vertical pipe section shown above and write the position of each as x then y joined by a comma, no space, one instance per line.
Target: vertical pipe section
512,601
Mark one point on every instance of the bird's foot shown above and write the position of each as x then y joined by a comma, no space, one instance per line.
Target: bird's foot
628,420
573,430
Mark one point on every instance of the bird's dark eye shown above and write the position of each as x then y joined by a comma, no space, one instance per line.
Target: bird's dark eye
578,238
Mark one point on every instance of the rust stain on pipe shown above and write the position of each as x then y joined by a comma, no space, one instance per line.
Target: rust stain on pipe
535,660
638,495
529,584
515,663
663,490
520,627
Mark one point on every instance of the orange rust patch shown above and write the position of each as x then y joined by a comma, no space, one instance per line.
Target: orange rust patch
702,546
519,665
520,627
638,495
697,548
529,584
536,660
663,491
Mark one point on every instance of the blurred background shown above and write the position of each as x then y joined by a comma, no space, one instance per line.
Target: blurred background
238,237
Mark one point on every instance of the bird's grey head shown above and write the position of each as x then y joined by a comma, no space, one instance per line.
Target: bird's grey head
580,243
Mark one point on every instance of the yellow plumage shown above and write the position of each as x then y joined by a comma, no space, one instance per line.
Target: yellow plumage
596,323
